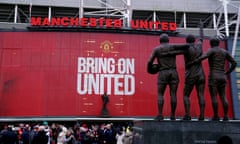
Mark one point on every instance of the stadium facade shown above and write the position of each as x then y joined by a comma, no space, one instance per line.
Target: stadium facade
186,13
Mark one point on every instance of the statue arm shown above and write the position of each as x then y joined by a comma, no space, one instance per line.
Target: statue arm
180,47
233,63
152,68
199,59
152,57
175,50
201,31
200,40
172,52
202,57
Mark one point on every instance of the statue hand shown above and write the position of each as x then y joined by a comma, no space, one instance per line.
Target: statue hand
190,64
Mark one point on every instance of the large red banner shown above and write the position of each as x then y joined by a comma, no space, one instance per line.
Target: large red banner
65,74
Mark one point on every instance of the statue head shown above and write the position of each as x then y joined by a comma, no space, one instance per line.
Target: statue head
214,42
190,38
164,38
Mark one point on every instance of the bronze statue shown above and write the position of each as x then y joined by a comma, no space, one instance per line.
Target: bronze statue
194,75
217,79
105,101
167,73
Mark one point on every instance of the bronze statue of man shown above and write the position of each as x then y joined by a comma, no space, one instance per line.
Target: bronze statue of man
168,74
194,74
217,75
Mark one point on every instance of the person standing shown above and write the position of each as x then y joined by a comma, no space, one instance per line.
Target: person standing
120,135
8,136
217,75
62,137
40,137
109,135
128,137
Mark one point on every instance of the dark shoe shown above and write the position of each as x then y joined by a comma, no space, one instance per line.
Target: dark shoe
172,118
201,118
216,118
225,118
186,117
159,118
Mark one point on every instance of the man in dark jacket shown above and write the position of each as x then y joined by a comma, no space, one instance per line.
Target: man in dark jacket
9,137
41,137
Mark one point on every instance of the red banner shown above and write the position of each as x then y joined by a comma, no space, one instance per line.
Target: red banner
65,74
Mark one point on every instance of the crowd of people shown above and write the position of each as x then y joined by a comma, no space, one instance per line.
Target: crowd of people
77,133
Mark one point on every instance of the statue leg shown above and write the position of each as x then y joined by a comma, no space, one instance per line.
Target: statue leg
224,101
105,106
213,92
173,91
161,90
201,100
186,94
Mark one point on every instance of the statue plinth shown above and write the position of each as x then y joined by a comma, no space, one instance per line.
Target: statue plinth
104,112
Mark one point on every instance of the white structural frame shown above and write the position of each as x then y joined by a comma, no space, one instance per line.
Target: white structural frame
225,4
104,8
124,12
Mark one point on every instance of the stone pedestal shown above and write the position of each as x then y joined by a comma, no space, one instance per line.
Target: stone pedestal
187,132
